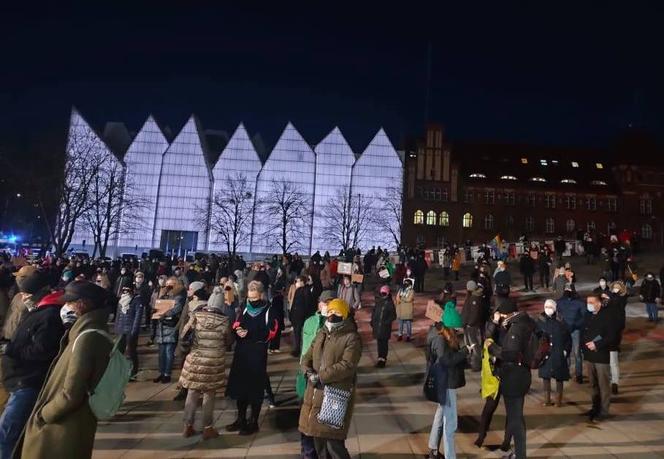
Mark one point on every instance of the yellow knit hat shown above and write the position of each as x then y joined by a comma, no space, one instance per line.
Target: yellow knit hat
338,307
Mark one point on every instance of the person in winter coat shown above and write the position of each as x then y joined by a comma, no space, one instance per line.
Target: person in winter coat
559,282
348,292
382,317
25,362
598,336
326,277
572,310
248,377
556,366
278,311
613,305
443,347
544,263
302,308
602,287
128,318
474,318
651,295
32,288
502,276
512,359
527,268
124,279
331,360
404,309
143,290
167,328
62,423
204,367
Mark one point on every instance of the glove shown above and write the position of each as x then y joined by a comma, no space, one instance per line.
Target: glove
314,378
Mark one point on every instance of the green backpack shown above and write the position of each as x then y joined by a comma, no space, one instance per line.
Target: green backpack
106,399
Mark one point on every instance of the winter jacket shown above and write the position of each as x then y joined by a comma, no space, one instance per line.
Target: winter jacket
573,312
204,366
555,367
526,265
597,328
382,317
311,328
350,295
650,290
28,356
405,299
18,310
334,357
473,313
129,322
69,426
303,306
167,326
615,314
511,352
558,285
503,278
455,361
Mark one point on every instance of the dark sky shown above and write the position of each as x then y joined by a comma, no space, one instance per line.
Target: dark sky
516,72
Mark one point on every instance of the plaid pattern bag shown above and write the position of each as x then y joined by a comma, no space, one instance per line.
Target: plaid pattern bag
334,407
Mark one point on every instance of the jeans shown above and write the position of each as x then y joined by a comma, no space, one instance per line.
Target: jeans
166,356
576,353
444,425
13,419
516,425
191,404
307,447
600,381
651,309
408,325
615,367
382,348
333,449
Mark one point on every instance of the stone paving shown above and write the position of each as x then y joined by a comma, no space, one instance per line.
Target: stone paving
391,417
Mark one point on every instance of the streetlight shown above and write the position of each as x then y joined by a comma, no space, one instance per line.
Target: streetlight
18,195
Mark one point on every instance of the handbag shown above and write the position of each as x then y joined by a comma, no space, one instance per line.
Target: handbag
435,383
334,407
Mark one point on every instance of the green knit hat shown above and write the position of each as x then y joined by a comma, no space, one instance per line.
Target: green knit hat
451,318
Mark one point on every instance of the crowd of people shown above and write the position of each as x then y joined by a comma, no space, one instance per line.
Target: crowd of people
195,312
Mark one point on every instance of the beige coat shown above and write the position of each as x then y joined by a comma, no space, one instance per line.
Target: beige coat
204,368
405,299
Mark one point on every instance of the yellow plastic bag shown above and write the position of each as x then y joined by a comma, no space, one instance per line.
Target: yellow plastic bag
490,382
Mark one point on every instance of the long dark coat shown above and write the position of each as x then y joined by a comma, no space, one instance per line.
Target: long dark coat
555,366
382,317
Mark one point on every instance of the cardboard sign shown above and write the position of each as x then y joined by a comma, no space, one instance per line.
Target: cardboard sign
161,307
384,273
345,268
434,312
358,278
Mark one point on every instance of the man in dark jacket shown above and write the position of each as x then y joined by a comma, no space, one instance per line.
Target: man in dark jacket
513,355
382,317
302,308
650,294
598,337
573,312
474,317
502,275
25,364
527,268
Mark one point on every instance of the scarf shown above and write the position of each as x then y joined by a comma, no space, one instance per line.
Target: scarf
125,301
252,311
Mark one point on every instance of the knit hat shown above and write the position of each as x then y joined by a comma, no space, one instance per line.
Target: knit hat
30,280
507,307
451,317
327,295
550,304
194,287
471,285
338,307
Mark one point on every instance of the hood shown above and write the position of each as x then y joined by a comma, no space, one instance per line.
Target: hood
52,299
621,285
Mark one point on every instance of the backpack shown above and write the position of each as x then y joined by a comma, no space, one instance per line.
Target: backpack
105,400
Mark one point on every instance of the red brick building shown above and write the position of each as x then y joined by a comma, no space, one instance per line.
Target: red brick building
473,191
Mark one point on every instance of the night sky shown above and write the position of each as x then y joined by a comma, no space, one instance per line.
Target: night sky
565,75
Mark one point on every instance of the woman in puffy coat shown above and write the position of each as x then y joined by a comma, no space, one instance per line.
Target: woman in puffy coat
204,368
405,299
331,360
555,367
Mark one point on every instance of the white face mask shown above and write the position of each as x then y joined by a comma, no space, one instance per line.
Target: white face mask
602,284
67,315
139,280
162,282
123,271
591,308
549,311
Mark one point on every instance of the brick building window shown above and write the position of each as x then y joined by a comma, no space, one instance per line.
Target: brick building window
468,196
445,195
612,204
431,217
645,205
550,201
571,202
529,224
488,222
436,194
591,203
467,220
444,219
549,226
419,217
570,225
646,231
489,197
532,199
510,198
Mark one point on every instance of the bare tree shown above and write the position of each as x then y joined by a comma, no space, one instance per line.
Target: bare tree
347,219
229,214
389,217
286,213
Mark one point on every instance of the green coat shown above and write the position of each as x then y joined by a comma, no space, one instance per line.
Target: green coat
70,427
334,356
309,331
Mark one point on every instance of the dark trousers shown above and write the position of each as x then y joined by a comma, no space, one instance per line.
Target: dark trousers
276,341
131,352
153,333
419,283
242,406
516,425
528,280
332,449
297,339
16,414
456,275
307,447
490,406
268,391
599,375
382,347
544,278
446,273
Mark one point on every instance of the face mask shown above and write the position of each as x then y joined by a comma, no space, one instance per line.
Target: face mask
161,282
67,315
177,273
649,278
591,308
602,284
139,280
123,271
549,311
334,319
255,303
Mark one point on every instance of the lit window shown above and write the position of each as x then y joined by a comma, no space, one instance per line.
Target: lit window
554,161
543,162
550,201
550,226
419,217
488,222
537,179
508,177
570,225
431,217
645,205
568,181
524,160
598,182
599,165
477,175
444,219
575,164
646,231
467,220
